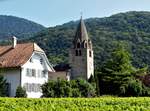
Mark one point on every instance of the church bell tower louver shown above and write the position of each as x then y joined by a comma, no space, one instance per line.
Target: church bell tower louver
81,54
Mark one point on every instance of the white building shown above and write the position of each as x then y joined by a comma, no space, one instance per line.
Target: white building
24,65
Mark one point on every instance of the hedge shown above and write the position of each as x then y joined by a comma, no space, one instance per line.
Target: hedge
76,104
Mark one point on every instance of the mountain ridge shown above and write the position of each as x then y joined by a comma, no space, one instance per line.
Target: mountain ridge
17,26
132,28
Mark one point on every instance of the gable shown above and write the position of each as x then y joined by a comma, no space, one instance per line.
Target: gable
38,60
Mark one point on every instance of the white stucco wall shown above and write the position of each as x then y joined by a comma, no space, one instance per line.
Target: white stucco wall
12,77
35,64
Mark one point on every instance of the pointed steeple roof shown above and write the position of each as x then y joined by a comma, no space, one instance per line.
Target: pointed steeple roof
81,32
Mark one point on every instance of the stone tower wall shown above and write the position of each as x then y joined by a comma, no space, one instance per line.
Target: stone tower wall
81,66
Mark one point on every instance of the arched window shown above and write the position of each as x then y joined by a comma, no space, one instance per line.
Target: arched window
90,54
78,45
76,52
80,53
85,45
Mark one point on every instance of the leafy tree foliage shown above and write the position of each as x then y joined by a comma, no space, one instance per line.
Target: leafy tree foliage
119,77
3,86
134,87
21,92
63,88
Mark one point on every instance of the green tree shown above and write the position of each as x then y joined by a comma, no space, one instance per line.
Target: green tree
134,87
117,73
3,86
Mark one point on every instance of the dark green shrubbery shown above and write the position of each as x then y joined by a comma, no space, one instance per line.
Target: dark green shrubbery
21,92
63,88
3,87
119,77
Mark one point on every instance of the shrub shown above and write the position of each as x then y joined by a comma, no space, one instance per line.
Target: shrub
3,86
21,92
133,88
63,88
86,89
48,91
76,92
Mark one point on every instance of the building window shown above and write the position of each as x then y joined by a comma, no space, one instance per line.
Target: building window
90,53
44,72
36,73
32,87
39,73
29,72
78,45
33,72
80,53
29,87
41,61
31,60
76,52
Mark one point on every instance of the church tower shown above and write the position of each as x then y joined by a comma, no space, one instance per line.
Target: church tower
81,54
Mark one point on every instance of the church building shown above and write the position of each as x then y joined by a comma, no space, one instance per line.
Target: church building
81,54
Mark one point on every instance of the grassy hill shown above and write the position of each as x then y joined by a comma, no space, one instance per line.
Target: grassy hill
10,25
131,27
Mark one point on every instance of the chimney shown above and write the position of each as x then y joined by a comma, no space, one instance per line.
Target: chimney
14,41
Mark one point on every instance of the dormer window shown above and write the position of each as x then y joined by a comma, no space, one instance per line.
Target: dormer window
31,60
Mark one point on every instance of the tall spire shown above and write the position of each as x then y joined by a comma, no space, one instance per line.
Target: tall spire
81,32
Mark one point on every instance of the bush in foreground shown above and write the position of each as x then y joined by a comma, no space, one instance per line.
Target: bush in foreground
63,88
75,104
21,92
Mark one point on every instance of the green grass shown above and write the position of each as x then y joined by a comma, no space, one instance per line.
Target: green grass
76,104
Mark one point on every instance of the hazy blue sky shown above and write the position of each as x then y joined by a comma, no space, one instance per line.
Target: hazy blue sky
55,12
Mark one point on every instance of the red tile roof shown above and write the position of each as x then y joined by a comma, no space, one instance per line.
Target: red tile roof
15,57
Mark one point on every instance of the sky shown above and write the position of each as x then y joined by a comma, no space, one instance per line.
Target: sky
56,12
